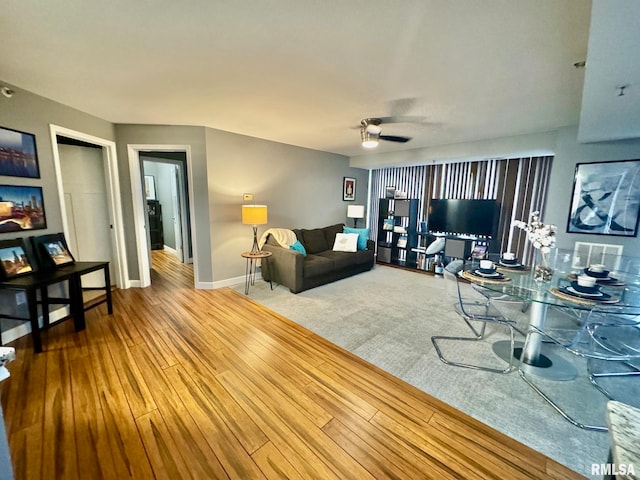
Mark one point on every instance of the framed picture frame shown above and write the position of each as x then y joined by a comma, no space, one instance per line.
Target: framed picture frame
348,189
390,191
21,208
150,187
14,260
18,154
606,198
52,250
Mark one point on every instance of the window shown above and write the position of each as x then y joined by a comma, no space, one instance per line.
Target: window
519,185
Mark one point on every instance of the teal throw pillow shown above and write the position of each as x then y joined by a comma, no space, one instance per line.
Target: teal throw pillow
363,236
298,247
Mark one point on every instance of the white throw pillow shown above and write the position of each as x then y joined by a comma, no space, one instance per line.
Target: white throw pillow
436,246
346,242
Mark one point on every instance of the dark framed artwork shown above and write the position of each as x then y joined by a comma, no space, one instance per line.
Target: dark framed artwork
348,189
606,198
18,154
13,259
21,208
52,250
150,187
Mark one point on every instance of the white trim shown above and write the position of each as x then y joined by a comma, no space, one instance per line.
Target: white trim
23,329
170,249
230,282
113,193
139,214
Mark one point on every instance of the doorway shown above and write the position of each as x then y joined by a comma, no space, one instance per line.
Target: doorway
92,207
179,155
166,188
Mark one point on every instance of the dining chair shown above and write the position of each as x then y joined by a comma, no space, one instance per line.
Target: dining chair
620,339
477,313
608,340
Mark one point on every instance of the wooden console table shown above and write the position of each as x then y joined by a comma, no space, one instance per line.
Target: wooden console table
39,281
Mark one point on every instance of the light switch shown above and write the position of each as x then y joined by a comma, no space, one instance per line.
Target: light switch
247,197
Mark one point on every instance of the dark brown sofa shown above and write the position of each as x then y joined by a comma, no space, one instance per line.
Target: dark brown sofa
321,264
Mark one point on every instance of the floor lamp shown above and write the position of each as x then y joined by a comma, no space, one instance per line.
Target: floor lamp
254,215
355,212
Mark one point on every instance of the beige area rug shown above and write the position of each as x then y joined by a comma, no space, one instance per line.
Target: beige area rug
387,317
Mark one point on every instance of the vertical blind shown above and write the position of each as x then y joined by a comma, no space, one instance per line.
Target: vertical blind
519,185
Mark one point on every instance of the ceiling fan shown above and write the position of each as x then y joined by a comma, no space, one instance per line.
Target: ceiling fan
371,133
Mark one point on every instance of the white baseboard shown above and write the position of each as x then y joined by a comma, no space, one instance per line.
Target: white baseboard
25,328
170,250
228,282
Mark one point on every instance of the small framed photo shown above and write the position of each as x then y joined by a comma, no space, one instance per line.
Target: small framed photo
606,198
348,189
390,191
150,187
52,250
13,259
18,155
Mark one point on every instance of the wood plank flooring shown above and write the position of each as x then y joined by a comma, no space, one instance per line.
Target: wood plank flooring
192,384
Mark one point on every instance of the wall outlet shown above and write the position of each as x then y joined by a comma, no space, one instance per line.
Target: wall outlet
247,197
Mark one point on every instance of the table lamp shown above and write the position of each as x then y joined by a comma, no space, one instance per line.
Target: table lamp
355,212
254,215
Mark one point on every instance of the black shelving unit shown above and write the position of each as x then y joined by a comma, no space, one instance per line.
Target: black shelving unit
397,231
156,234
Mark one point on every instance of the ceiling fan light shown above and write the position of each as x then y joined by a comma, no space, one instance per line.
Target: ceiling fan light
369,140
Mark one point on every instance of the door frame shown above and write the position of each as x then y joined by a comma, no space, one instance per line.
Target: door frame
139,210
114,200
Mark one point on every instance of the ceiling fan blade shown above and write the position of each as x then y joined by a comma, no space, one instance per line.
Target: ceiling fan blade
394,138
402,119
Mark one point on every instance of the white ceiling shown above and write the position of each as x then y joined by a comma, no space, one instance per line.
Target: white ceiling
610,112
305,72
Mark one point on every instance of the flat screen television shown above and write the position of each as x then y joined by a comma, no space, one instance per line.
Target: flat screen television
463,217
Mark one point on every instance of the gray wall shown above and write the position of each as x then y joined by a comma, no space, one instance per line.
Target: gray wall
561,143
31,113
568,153
302,189
167,135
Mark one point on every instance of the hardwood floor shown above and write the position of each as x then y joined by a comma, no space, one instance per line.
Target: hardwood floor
183,383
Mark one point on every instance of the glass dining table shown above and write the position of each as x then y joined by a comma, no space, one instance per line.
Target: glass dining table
620,295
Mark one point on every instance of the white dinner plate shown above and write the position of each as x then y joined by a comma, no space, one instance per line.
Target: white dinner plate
487,275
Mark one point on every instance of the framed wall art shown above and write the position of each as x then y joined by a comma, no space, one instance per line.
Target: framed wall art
348,189
18,155
390,191
21,208
606,198
52,250
13,259
150,187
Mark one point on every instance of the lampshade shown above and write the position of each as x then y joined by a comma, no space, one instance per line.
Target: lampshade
254,214
355,211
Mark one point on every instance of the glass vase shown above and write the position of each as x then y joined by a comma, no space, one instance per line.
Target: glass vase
544,262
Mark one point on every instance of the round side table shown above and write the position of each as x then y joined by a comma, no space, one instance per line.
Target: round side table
250,268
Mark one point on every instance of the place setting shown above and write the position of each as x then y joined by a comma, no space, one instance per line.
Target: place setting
601,275
510,263
584,289
487,272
